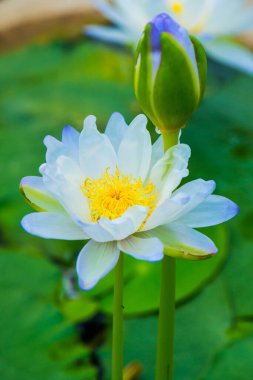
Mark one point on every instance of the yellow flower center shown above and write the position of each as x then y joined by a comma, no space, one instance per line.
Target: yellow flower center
111,195
177,7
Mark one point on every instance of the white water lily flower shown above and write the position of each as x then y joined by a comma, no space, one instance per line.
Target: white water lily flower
119,191
214,22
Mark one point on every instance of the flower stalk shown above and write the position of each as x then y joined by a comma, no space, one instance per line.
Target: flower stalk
117,332
166,322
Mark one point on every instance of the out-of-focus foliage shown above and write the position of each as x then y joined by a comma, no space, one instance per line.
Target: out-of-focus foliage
44,88
36,342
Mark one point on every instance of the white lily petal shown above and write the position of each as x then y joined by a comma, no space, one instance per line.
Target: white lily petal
109,11
148,249
221,16
232,18
244,22
55,149
182,241
183,200
165,212
195,192
157,151
52,225
127,224
96,151
116,129
107,34
95,231
38,196
94,261
70,137
194,12
168,172
65,180
231,54
134,152
105,230
214,210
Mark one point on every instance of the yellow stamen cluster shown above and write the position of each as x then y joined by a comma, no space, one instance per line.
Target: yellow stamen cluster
177,7
111,195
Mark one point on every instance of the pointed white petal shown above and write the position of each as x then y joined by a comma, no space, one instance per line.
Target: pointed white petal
183,200
94,261
127,224
52,225
157,151
96,151
108,34
55,149
116,129
65,180
109,230
231,54
194,192
68,147
134,152
168,172
244,21
148,249
214,210
182,241
165,212
95,231
38,196
222,17
70,137
109,11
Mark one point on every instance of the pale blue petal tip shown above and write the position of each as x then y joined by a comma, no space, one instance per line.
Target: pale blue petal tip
51,141
117,117
213,183
215,250
24,224
69,133
85,287
47,139
232,210
23,182
67,129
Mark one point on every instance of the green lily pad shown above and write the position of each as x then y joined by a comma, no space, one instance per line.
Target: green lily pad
234,361
209,344
36,341
221,138
201,327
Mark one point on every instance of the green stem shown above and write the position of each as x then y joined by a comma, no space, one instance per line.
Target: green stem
170,138
166,323
117,333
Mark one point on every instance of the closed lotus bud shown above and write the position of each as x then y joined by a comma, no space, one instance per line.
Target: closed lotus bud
170,73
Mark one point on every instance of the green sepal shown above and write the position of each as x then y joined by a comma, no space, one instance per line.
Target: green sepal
176,89
173,249
177,254
38,200
143,71
200,55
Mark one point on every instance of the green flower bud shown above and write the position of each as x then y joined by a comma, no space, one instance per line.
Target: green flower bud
170,73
